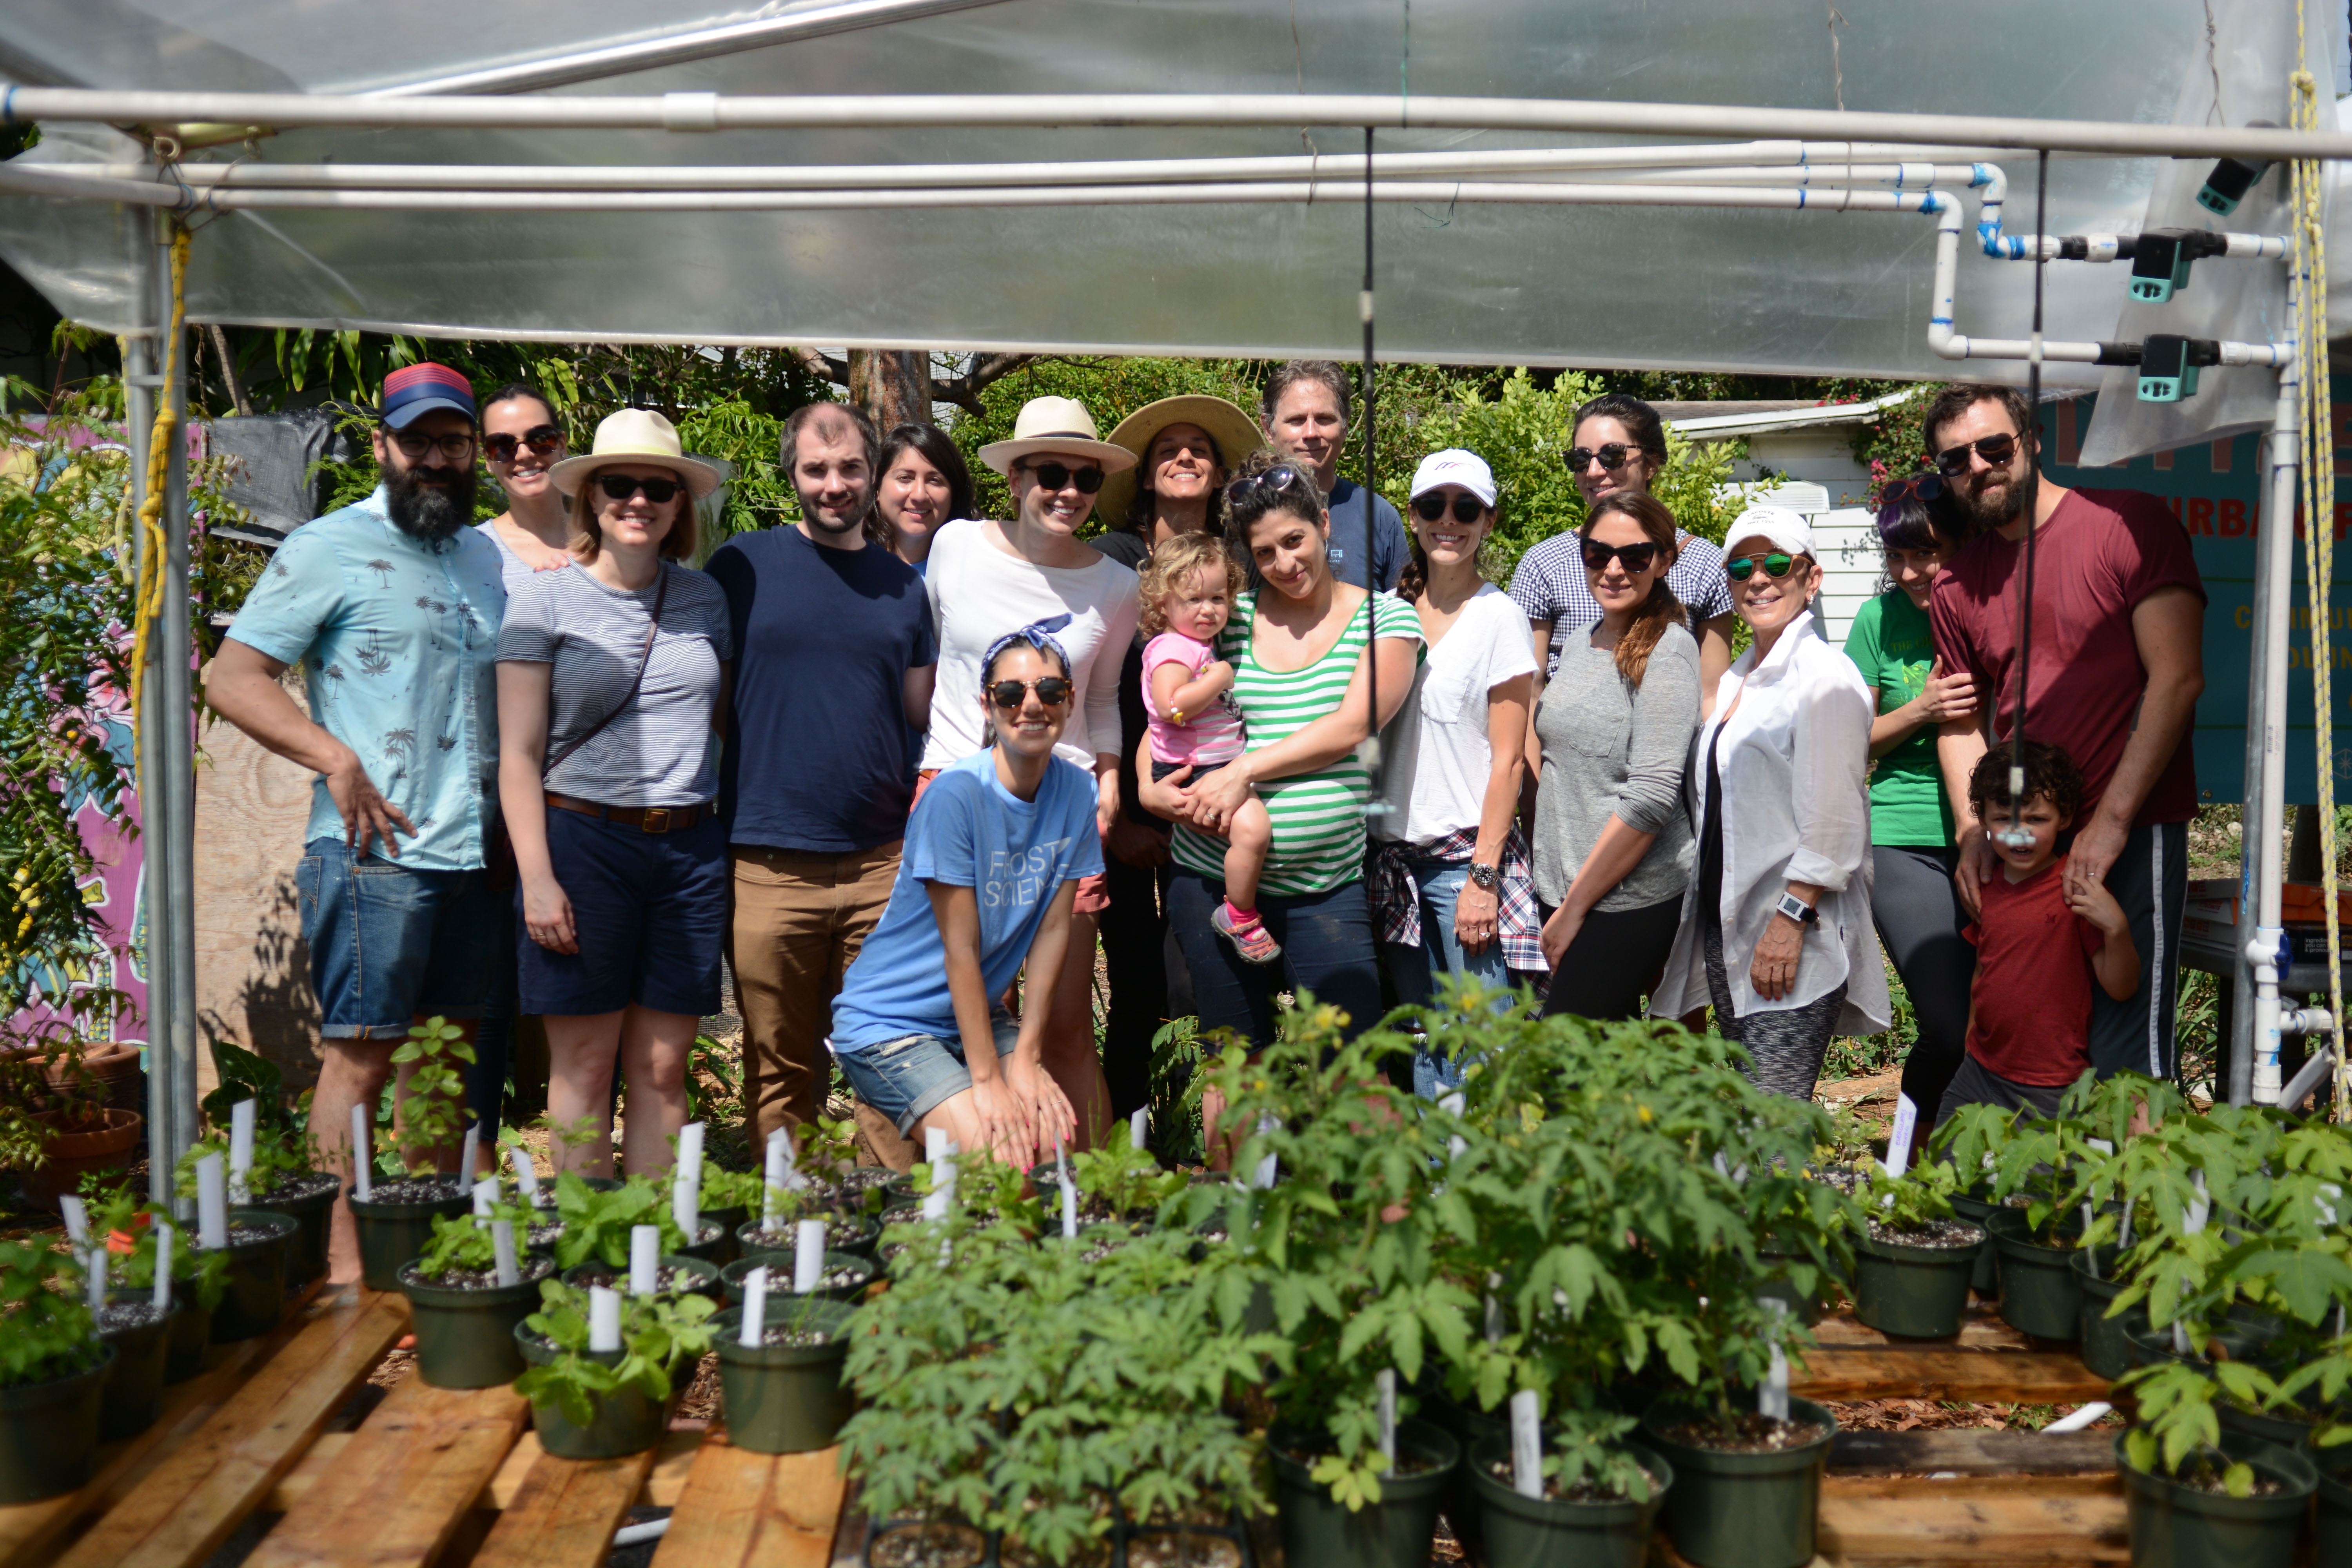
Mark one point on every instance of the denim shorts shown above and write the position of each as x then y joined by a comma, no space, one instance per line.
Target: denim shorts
907,1078
390,944
1160,770
649,913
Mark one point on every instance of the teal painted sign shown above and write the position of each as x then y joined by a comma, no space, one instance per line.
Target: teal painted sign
2217,490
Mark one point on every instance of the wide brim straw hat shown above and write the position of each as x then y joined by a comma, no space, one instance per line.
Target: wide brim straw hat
1234,432
637,436
1057,425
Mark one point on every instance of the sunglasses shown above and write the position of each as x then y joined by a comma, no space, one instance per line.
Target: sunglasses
621,487
1060,476
1776,566
1053,691
501,448
1996,450
1612,456
1636,557
1917,487
1273,481
1429,508
456,448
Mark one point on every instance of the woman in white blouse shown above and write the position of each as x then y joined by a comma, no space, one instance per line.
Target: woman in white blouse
1776,929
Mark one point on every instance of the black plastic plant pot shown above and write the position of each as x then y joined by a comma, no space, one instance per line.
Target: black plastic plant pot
2284,1430
134,1390
626,1421
718,1249
785,1399
391,1234
253,1297
1730,1509
2332,1523
1195,1542
1394,1533
728,1220
749,1237
1469,1428
48,1432
1524,1529
2106,1351
2148,1344
2040,1294
464,1334
2179,1526
1916,1292
191,1331
705,1280
780,1277
932,1543
1985,1280
1773,1284
314,1214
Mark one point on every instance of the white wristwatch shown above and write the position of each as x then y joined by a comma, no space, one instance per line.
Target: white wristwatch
1797,909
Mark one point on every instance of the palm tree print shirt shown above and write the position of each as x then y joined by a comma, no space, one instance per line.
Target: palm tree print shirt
397,640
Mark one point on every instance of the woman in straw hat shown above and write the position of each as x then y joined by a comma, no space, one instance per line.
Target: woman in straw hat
987,578
611,673
1186,446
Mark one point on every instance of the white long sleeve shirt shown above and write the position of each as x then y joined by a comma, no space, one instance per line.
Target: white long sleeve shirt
980,592
1795,759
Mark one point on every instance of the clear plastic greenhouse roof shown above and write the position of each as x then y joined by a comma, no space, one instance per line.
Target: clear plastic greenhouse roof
1807,291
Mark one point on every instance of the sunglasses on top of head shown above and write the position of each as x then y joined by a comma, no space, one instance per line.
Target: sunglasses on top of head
1273,481
1430,506
621,487
542,439
1061,476
1996,450
1053,691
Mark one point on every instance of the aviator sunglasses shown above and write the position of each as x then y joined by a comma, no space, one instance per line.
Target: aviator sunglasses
1430,506
1996,450
1775,565
621,487
1053,691
1636,557
501,448
1059,476
1276,478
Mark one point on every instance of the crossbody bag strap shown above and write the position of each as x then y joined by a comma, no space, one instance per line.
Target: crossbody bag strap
644,658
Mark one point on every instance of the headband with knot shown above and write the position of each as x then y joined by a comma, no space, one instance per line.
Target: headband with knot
1038,635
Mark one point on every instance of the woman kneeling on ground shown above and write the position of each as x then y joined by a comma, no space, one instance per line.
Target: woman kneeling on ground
986,884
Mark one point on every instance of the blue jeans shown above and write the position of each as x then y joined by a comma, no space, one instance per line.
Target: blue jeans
1412,972
1327,947
908,1077
390,944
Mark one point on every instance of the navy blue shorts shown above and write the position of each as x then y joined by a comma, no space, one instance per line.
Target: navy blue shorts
390,944
649,911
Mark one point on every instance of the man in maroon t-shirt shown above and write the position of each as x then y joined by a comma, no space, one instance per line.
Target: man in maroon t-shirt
2117,666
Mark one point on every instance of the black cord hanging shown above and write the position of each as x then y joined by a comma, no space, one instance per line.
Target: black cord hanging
2017,836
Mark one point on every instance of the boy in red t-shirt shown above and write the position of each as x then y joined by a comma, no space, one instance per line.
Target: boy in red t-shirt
2039,941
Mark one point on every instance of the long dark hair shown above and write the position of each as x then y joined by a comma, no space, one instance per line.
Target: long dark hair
1138,505
1641,421
1246,503
1653,615
941,454
516,391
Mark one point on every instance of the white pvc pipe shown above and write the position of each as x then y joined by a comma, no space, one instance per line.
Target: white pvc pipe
709,112
2266,790
2076,1421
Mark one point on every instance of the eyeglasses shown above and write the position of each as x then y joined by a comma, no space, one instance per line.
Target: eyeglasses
501,448
1430,507
621,487
1776,566
1053,691
1060,476
457,447
1996,450
1636,557
1916,487
1273,481
1611,456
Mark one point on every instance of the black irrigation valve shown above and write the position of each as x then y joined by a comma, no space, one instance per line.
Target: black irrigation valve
2231,178
2161,260
2169,366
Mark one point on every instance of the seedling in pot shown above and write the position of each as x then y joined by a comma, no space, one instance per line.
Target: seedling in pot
50,1332
432,1113
596,1224
657,1334
465,1253
1914,1209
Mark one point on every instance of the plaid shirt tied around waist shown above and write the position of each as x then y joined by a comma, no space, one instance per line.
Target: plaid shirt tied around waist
1395,897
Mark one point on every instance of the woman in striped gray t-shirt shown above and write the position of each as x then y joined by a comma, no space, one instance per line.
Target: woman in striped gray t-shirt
1301,679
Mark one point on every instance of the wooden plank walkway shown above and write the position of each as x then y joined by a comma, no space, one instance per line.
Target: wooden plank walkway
742,1510
566,1513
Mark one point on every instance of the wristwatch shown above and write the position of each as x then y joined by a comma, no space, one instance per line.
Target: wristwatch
1797,909
1486,876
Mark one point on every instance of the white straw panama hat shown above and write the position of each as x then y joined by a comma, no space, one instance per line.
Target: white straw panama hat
1775,525
637,436
1059,425
1234,432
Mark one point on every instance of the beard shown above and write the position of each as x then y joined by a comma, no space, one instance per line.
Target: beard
1990,508
431,512
823,520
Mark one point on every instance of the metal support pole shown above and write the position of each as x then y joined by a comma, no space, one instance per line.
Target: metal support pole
176,834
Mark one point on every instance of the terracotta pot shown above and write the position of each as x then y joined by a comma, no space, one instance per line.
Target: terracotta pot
109,1076
103,1140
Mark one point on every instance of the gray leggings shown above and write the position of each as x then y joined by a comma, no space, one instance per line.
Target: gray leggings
1918,914
1787,1045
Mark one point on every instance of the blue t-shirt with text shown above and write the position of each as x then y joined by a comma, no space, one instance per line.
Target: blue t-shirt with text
967,831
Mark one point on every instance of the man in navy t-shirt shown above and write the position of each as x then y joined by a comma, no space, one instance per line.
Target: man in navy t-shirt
835,655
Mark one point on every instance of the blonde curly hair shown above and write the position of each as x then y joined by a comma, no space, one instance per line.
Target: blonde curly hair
1172,563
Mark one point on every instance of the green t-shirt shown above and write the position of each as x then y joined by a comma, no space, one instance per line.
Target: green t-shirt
1893,646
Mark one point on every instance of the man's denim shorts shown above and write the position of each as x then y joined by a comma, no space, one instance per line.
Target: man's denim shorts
390,944
907,1078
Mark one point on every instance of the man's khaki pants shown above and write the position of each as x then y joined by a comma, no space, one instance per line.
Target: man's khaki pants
799,920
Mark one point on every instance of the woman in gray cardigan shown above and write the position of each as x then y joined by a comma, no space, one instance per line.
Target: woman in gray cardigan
1613,842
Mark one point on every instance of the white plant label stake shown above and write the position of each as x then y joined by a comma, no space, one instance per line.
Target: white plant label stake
1138,1126
1269,1167
1493,1310
94,1276
467,1152
502,1248
1069,1207
486,1195
755,1308
1454,1105
604,1319
212,1203
944,1175
686,1183
1898,1143
1772,1399
76,1220
163,1233
2200,1208
363,1155
771,1189
1527,1445
240,1151
1385,1381
644,1258
808,1257
526,1173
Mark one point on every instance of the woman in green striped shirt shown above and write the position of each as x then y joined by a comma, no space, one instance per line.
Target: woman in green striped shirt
1302,678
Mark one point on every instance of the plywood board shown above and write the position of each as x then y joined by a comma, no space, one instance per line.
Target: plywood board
565,1512
742,1510
1976,1377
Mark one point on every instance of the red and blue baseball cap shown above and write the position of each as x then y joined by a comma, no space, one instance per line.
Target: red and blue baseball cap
420,388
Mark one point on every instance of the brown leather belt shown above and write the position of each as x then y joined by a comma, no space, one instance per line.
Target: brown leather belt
643,818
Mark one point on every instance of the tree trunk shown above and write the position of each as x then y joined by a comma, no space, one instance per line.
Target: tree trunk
893,386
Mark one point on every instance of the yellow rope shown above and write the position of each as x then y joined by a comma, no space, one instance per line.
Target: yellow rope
153,545
2318,479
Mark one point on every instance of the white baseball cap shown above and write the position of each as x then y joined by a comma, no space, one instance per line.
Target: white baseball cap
1777,526
1454,467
